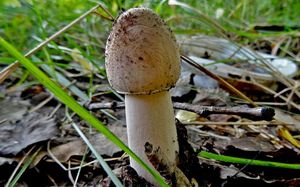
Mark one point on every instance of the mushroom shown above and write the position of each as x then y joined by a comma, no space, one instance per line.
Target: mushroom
143,62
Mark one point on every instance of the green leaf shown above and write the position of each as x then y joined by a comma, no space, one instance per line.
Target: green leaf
104,165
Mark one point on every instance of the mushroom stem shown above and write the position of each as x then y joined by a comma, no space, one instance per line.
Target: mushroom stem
150,118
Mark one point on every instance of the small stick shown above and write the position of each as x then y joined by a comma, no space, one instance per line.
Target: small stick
216,77
292,103
258,113
111,17
109,105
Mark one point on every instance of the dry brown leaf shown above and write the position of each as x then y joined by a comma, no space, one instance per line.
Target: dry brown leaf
286,118
106,147
15,135
63,152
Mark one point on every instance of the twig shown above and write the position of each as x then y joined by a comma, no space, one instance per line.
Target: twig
216,77
280,96
110,18
108,105
258,113
107,12
70,174
102,16
293,90
264,103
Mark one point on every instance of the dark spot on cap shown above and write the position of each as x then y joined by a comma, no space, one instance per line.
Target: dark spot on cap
141,58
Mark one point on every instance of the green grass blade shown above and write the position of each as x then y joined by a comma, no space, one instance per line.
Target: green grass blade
65,82
77,108
23,169
237,160
204,18
102,162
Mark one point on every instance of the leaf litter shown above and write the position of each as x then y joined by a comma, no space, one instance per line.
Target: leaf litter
250,141
21,130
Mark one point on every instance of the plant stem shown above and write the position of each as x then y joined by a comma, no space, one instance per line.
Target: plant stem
238,160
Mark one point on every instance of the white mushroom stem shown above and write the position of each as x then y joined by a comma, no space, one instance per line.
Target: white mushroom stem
150,118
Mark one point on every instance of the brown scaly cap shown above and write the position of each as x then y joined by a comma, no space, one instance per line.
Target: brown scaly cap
142,56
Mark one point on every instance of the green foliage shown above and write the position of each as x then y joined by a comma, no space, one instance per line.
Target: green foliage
25,22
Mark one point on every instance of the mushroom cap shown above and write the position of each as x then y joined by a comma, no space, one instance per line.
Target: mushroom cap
142,56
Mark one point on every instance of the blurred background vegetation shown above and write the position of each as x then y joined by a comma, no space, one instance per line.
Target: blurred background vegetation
25,23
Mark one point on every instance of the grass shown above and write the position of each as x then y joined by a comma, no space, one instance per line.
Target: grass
245,161
25,23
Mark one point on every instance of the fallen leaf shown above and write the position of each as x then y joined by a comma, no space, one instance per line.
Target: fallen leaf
32,128
63,152
186,116
106,147
246,144
12,110
211,97
4,160
287,118
231,171
182,86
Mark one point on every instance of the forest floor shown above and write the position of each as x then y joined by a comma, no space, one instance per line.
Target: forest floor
236,101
